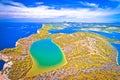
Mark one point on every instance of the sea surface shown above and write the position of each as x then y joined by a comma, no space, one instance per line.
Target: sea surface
11,32
1,64
77,27
117,47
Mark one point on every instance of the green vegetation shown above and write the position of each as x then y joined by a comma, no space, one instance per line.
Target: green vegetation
94,75
86,53
43,33
87,50
112,29
103,29
46,56
13,52
113,40
19,69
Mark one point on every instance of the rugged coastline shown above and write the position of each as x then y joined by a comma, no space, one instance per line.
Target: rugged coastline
86,53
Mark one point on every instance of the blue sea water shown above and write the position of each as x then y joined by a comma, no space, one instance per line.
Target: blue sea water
117,47
67,30
1,64
112,35
11,32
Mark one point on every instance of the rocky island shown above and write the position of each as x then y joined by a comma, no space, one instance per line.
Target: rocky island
89,56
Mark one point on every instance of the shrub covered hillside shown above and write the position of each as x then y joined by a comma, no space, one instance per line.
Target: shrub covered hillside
89,57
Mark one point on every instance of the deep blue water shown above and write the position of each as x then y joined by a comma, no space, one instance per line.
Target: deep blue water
1,64
11,32
117,47
113,35
68,30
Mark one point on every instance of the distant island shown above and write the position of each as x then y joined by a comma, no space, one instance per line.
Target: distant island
88,56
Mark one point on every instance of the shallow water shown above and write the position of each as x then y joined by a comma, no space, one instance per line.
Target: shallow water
117,47
46,56
46,53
